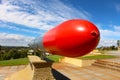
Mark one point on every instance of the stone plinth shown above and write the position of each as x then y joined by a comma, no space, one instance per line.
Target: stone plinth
77,62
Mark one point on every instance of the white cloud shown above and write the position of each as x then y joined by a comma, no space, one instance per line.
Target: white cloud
109,34
46,13
35,14
105,43
2,25
117,28
117,6
109,37
14,39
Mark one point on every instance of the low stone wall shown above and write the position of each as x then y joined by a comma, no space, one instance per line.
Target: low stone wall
77,62
42,69
36,70
24,74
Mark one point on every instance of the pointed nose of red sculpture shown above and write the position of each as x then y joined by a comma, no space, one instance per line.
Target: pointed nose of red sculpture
72,38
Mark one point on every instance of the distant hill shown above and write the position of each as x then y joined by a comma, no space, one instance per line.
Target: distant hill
12,47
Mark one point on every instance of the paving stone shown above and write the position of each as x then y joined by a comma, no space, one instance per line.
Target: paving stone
8,70
86,73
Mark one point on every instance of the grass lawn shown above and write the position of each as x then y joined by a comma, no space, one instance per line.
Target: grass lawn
54,58
14,62
97,57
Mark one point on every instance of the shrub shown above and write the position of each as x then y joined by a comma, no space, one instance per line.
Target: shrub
23,53
6,56
14,53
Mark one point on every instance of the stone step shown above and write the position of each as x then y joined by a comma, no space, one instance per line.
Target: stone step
107,64
110,64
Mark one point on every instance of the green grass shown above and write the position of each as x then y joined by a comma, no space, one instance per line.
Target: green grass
97,57
14,62
54,58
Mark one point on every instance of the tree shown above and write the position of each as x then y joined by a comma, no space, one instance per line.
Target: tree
6,56
113,47
1,55
23,53
14,53
0,47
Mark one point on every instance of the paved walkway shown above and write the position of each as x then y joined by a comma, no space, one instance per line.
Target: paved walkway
86,73
8,70
35,59
114,53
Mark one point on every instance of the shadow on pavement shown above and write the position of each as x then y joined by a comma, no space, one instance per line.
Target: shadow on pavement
58,76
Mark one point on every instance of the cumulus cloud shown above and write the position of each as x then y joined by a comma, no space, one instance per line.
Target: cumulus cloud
43,15
4,24
105,43
109,34
14,39
38,14
117,28
109,37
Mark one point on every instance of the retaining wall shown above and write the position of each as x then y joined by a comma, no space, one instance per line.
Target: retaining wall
24,74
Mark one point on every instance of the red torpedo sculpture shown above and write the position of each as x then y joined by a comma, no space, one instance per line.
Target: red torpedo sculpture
72,38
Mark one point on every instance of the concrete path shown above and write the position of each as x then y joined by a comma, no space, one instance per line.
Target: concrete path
85,73
114,53
6,71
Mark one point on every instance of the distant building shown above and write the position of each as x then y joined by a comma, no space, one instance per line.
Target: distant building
118,45
95,52
30,52
47,54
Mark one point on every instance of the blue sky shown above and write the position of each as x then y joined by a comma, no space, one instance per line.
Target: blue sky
23,20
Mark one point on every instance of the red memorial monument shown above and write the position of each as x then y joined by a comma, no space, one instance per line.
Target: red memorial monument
72,38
